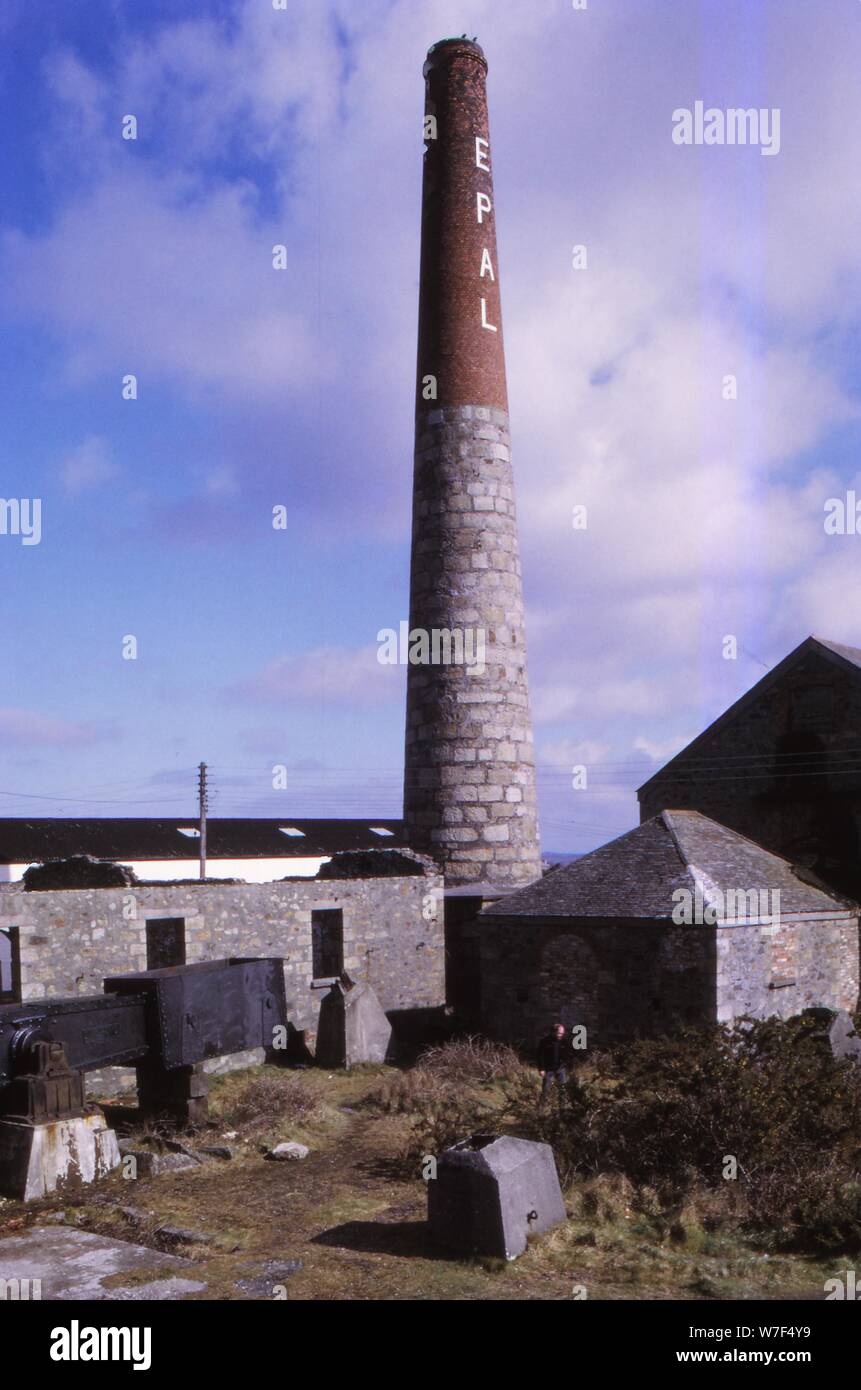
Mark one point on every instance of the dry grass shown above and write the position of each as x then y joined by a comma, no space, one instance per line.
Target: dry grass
471,1061
454,1090
407,1092
453,1075
264,1101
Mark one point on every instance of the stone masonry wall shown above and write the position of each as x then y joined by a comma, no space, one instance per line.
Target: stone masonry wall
70,940
763,971
621,980
625,980
470,775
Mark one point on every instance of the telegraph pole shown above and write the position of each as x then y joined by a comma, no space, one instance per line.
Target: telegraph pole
202,803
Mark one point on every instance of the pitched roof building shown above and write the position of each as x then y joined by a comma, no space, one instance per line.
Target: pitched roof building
641,875
680,921
783,764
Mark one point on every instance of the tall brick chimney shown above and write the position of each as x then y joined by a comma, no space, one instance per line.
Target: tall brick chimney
469,793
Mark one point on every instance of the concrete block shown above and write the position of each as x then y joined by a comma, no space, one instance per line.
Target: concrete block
491,1193
838,1029
352,1027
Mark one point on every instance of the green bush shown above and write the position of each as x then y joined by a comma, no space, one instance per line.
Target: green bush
668,1115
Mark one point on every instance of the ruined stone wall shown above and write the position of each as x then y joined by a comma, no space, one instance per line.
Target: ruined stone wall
70,940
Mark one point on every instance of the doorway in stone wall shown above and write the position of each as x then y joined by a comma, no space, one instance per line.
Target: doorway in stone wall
327,943
165,942
10,967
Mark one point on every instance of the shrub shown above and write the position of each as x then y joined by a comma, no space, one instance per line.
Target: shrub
444,1121
471,1060
406,1092
667,1114
448,1094
263,1101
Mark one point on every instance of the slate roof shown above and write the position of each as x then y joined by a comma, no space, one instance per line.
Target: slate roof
24,841
636,875
848,656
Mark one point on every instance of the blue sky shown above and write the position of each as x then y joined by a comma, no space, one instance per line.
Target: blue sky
259,388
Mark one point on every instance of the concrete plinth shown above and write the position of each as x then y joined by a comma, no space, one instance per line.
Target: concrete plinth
352,1028
42,1158
491,1193
68,1265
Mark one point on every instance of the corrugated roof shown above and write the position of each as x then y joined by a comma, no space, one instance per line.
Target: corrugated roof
24,841
636,875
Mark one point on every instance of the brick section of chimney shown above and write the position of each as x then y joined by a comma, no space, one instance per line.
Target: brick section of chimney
469,796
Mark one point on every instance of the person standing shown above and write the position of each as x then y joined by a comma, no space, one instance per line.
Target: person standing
554,1056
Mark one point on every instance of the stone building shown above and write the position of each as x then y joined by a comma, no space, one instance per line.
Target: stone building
681,921
377,917
783,764
469,782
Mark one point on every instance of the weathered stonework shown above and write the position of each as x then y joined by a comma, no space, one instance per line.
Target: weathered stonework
470,786
642,979
765,970
681,921
393,934
619,980
469,792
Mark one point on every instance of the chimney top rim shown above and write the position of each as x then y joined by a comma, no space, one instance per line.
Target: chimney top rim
444,47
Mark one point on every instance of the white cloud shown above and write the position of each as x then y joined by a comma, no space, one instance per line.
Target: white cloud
704,514
88,466
332,675
659,750
567,752
28,727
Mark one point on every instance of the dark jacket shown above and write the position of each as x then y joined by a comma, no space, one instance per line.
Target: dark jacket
554,1052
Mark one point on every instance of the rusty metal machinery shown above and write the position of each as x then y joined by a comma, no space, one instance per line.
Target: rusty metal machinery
163,1022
